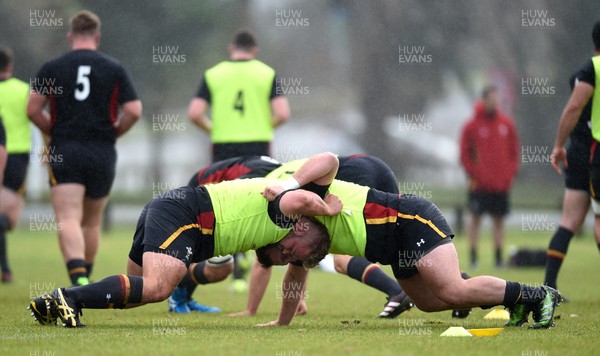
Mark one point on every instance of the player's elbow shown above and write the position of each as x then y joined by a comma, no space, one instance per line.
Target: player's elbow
196,110
330,159
32,110
280,109
282,116
133,110
573,109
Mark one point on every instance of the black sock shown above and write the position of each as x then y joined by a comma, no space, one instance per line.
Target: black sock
599,247
498,256
4,224
238,271
193,277
188,284
556,253
512,294
89,267
473,256
76,269
517,293
111,292
371,274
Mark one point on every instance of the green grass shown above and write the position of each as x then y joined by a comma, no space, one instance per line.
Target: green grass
332,300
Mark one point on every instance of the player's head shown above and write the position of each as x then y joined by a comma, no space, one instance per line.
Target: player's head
489,96
244,42
596,35
308,242
84,24
6,59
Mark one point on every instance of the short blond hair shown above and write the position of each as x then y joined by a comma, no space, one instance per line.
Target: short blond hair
85,23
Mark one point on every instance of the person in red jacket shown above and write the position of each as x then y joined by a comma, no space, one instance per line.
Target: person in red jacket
489,153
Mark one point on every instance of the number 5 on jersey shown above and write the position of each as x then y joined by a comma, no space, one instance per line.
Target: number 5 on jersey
82,79
239,102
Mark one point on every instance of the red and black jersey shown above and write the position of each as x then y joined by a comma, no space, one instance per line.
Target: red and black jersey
234,168
85,89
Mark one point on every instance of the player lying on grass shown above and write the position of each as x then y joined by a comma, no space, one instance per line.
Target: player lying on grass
360,169
192,224
410,234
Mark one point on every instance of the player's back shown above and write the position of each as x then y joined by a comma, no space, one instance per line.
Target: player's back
240,94
244,219
234,168
85,89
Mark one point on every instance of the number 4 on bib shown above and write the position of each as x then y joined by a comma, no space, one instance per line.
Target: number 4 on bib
239,102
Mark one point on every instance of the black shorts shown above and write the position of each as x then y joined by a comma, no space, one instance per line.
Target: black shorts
93,166
577,174
421,227
368,171
223,151
16,171
170,225
495,204
402,229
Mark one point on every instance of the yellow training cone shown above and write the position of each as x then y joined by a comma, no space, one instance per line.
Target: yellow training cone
485,332
500,314
456,331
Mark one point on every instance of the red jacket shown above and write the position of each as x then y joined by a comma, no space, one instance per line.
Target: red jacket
489,151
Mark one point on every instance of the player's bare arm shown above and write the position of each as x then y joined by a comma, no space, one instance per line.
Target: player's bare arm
131,113
280,109
197,114
319,169
37,114
302,202
579,97
292,290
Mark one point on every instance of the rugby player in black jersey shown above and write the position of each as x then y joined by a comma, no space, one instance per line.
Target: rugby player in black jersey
91,103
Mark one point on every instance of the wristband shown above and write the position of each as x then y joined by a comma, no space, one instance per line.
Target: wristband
290,184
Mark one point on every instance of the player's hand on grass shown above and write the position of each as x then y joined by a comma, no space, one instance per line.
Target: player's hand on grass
242,313
271,192
334,204
558,158
271,323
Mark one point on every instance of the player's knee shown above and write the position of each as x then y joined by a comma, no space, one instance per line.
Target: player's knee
155,292
424,305
218,268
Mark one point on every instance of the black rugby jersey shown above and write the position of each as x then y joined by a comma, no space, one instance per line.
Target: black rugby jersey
85,89
582,132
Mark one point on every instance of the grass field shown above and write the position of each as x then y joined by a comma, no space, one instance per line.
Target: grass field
341,317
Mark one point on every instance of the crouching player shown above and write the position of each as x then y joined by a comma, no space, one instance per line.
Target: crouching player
191,224
360,169
410,234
